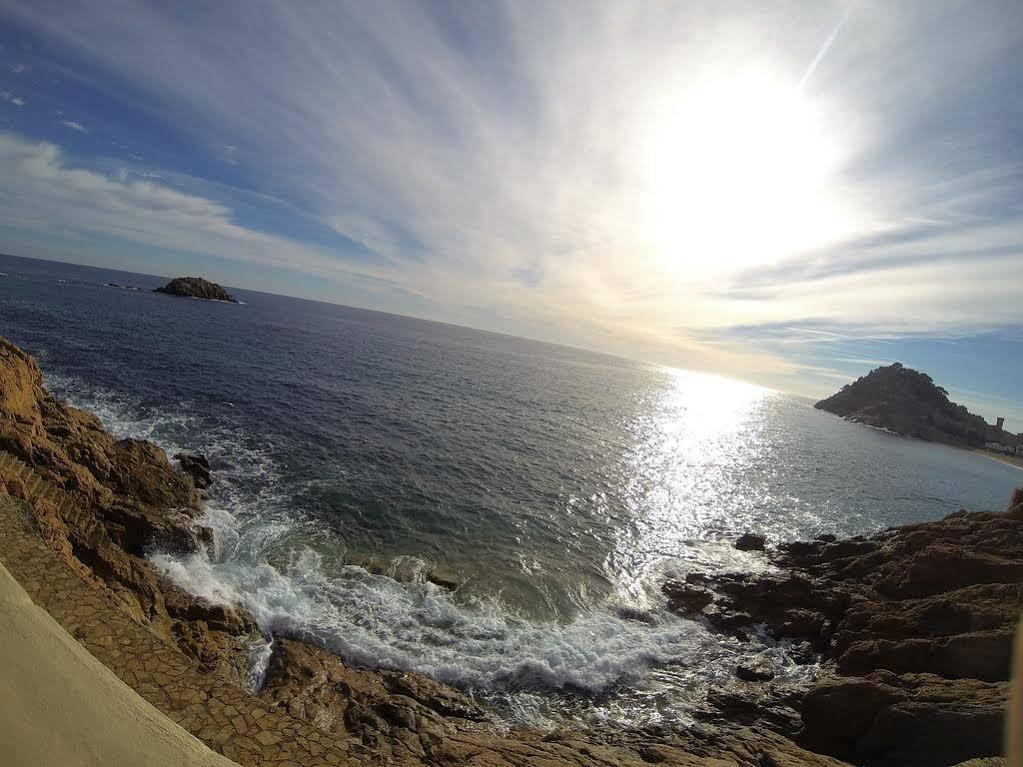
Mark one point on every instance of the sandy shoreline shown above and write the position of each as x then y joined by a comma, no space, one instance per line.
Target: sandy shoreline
1010,460
62,706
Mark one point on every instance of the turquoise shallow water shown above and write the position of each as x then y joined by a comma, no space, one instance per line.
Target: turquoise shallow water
556,487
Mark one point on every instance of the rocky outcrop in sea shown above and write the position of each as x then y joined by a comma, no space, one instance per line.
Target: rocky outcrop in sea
196,287
913,627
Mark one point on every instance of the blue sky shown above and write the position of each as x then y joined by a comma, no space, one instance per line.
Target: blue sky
789,193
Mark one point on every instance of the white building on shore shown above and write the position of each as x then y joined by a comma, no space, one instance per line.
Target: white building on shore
998,447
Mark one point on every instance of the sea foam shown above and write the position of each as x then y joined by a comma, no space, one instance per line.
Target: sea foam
369,619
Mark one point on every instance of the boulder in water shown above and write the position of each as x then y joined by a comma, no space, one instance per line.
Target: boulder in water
197,467
750,542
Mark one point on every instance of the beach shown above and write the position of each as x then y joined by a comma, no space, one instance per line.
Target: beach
1011,460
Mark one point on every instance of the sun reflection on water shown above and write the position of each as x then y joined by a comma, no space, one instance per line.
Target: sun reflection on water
694,440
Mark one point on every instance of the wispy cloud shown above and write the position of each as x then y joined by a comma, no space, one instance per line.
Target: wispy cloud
136,208
75,126
10,98
528,168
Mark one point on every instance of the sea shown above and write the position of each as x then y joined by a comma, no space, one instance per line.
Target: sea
495,512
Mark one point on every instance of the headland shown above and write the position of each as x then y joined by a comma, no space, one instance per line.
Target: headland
908,402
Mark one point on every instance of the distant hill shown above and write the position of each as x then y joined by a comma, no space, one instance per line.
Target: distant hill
908,402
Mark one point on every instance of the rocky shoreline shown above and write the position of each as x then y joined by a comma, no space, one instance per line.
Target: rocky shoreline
914,626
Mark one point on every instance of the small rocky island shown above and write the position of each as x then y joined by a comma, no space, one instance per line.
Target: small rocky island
196,287
908,402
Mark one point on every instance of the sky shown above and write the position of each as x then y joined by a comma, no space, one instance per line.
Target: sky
790,193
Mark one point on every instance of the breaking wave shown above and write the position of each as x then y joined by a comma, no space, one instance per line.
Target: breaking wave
276,566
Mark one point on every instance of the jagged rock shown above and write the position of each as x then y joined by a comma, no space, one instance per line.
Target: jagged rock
443,578
983,655
232,619
632,613
1016,504
911,719
379,708
686,598
216,652
142,471
773,706
197,467
435,696
920,619
754,672
196,287
124,498
750,542
791,606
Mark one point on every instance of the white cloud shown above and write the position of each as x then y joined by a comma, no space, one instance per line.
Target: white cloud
12,99
19,68
531,171
40,190
75,126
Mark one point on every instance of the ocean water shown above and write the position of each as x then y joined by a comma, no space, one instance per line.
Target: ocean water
360,456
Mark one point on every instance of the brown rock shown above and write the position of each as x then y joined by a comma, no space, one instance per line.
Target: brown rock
216,651
982,655
232,619
142,471
754,672
197,467
750,542
685,597
16,487
102,503
913,719
19,379
921,617
379,708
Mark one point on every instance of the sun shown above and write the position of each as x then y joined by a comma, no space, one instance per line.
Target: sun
737,172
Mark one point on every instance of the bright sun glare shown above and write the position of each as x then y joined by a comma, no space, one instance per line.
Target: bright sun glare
739,172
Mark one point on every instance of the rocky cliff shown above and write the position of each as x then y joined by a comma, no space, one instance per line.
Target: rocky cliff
196,287
913,626
908,402
100,502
